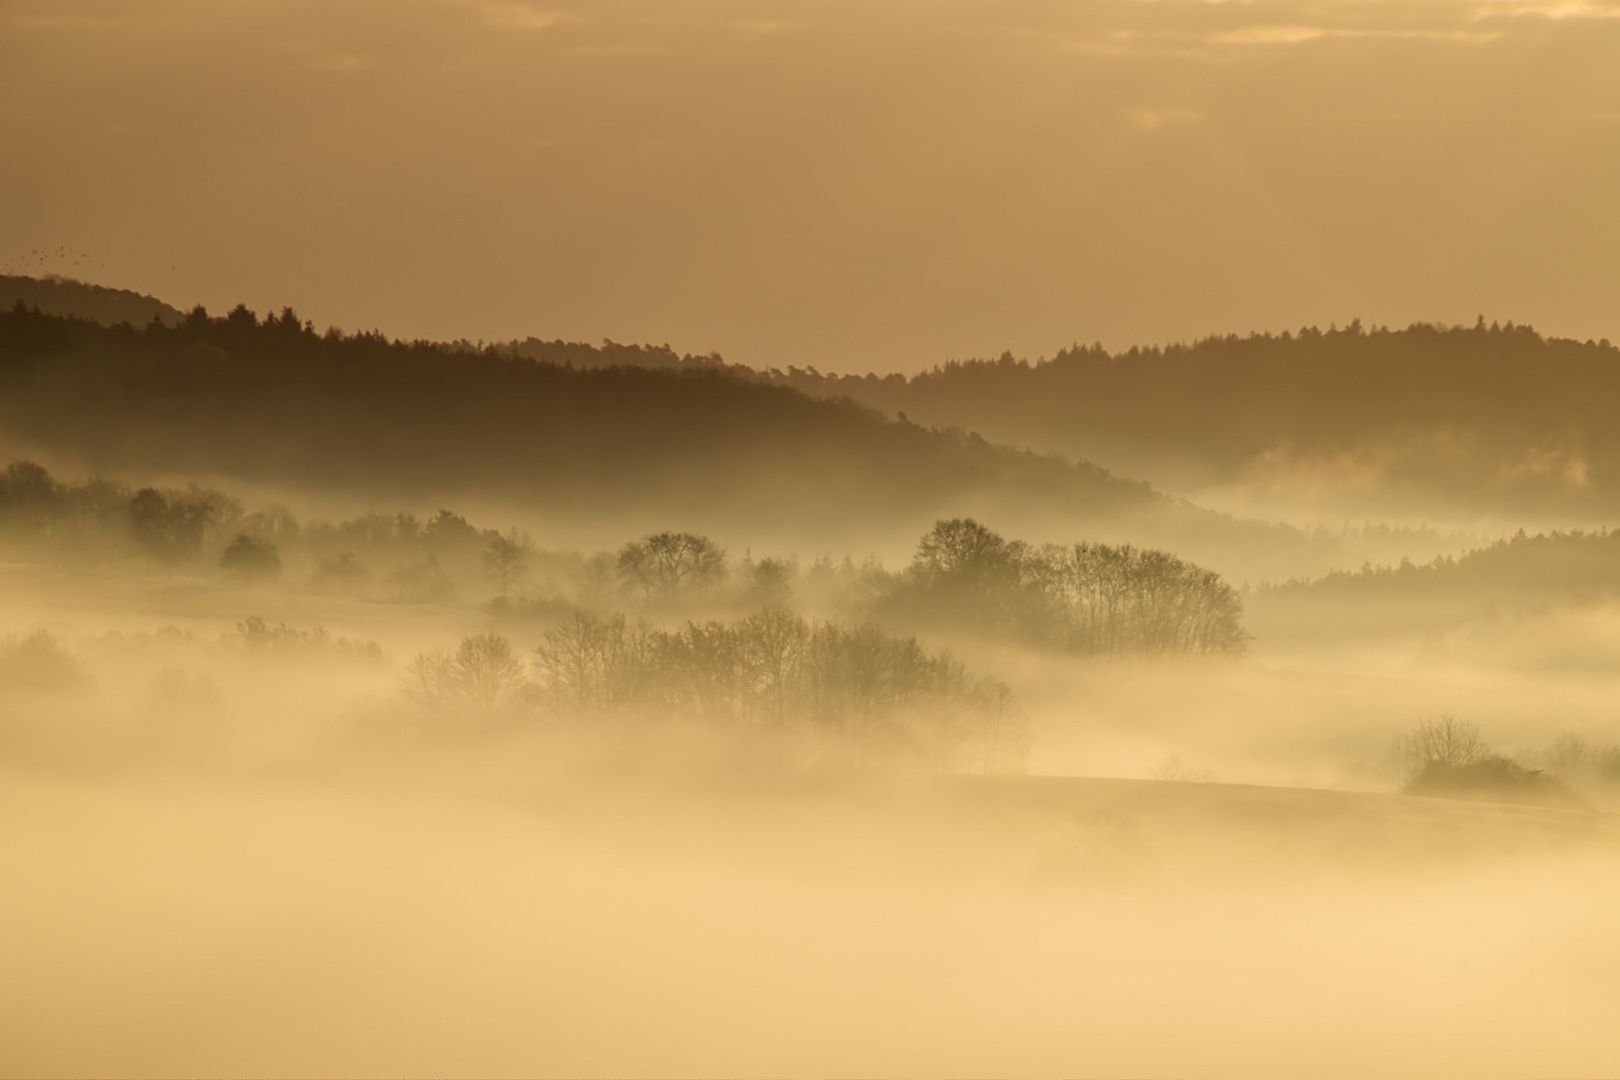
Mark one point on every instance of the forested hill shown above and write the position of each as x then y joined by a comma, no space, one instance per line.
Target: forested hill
97,303
1428,420
1514,586
271,401
1547,568
1462,426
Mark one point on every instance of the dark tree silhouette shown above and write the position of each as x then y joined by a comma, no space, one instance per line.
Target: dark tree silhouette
665,565
506,559
251,558
168,531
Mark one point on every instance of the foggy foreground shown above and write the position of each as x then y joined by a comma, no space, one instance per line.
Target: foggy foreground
246,832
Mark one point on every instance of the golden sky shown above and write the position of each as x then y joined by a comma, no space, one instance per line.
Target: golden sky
853,185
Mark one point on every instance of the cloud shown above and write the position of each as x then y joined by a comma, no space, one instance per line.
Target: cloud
1295,35
1269,35
620,49
1153,119
515,16
1131,43
1546,9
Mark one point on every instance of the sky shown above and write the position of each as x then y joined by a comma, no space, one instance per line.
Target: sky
873,185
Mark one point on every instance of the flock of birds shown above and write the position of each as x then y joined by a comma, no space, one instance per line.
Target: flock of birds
52,260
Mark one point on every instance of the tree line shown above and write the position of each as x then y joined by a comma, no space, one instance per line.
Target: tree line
1083,597
773,670
1566,566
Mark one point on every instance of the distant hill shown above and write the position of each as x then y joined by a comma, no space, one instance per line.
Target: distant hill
272,402
1558,567
64,296
1520,576
1442,424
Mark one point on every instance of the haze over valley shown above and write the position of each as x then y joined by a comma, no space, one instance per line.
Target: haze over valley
809,539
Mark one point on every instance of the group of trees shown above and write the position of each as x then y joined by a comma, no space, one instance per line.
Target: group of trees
1577,762
1447,757
195,528
192,528
1087,598
169,530
100,519
1083,598
772,670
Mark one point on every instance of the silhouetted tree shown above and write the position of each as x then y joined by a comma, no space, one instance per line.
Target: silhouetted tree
251,558
1445,741
667,564
446,531
770,583
422,582
506,559
962,549
25,486
168,532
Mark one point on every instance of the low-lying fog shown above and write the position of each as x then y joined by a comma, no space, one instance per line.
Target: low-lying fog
253,827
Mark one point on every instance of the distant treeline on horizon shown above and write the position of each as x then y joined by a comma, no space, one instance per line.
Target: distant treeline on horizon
1456,423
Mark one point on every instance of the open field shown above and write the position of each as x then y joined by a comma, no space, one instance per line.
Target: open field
443,919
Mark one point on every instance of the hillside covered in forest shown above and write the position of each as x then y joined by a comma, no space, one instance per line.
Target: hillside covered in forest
271,401
1439,422
1454,424
56,295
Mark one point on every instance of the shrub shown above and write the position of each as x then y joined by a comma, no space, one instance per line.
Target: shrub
1446,757
1495,778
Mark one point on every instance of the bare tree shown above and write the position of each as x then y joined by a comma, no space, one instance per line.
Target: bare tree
773,650
1445,742
481,677
593,664
998,731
